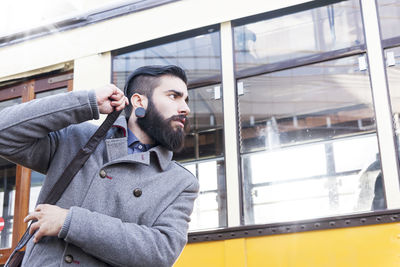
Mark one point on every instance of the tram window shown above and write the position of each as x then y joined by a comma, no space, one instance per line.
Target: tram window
307,142
299,35
7,189
198,56
389,15
203,153
51,92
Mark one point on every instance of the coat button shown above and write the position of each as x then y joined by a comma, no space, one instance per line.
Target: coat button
103,173
68,259
137,192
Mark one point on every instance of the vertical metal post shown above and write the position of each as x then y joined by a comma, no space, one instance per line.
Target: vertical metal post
380,94
230,125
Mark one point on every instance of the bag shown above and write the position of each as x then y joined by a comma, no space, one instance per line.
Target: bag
16,257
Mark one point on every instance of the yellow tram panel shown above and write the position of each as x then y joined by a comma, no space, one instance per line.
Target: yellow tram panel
366,246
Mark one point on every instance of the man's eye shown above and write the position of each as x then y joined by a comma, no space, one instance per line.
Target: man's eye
172,96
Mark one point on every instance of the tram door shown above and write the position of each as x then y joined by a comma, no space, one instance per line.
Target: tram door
19,186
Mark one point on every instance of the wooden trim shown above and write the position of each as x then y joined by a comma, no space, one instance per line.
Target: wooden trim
53,82
28,92
70,85
21,208
11,91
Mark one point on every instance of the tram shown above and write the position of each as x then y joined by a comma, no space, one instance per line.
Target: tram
295,125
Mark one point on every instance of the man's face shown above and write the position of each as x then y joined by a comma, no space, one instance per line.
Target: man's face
166,114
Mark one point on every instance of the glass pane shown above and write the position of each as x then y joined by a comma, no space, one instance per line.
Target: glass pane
205,138
310,103
393,74
7,190
51,92
210,207
302,182
37,180
11,102
389,15
316,126
7,200
198,56
301,34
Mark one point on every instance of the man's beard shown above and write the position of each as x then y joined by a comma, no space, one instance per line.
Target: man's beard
161,130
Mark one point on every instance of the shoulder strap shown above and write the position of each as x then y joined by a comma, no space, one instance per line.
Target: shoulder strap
80,159
73,167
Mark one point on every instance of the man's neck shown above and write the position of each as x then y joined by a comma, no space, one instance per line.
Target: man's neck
139,133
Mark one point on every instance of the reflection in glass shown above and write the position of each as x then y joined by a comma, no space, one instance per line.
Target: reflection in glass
316,127
203,153
198,56
7,200
301,182
210,207
37,180
205,137
314,102
393,74
299,35
389,15
51,92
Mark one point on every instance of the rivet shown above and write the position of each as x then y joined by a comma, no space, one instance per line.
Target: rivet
232,234
219,235
363,220
317,225
303,227
378,219
347,222
260,231
288,229
246,233
273,230
332,223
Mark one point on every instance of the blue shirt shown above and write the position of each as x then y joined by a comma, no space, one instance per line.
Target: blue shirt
134,145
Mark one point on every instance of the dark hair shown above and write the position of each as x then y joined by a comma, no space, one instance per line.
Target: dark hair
144,79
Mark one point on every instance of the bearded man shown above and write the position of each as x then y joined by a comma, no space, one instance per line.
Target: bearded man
130,204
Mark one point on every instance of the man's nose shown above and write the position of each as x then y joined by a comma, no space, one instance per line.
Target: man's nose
184,109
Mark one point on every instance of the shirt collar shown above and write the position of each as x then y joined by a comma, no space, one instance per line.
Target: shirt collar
133,141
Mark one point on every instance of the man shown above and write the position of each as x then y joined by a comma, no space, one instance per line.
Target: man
130,204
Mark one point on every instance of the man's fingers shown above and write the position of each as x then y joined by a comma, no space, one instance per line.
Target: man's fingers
38,235
34,227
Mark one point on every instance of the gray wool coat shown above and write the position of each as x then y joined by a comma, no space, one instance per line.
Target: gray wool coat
124,209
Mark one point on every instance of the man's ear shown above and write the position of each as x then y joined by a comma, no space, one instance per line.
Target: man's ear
139,100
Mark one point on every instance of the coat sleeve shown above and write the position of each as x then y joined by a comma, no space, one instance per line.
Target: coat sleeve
28,131
128,244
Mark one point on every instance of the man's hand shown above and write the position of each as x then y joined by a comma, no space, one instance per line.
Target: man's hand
49,218
110,97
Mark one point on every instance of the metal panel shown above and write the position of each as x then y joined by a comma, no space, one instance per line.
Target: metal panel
381,102
230,125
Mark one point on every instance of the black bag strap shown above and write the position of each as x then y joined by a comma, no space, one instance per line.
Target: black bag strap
80,159
70,171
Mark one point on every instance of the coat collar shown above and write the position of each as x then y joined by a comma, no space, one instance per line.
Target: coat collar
117,149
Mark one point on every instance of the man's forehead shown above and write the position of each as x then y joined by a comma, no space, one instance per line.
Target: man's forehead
168,83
